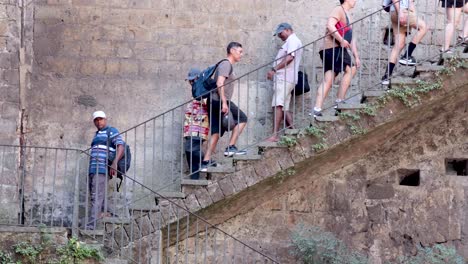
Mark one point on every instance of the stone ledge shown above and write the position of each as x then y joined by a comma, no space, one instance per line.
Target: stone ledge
327,118
247,157
171,195
292,131
116,220
221,169
20,229
267,144
342,106
374,93
428,68
187,182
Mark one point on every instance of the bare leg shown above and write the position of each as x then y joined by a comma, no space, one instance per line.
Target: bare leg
278,118
453,18
346,81
422,30
289,119
399,45
236,132
324,88
212,147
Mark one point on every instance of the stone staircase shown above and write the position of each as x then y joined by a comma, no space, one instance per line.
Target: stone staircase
269,161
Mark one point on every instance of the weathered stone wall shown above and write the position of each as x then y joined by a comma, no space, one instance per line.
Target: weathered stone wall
9,69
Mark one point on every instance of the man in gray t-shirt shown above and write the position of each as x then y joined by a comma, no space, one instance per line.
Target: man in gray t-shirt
220,104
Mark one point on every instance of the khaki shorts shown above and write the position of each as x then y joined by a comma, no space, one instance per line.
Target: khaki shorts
412,21
282,94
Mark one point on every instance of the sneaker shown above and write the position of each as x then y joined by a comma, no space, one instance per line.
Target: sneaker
317,113
409,61
337,102
385,80
208,163
232,150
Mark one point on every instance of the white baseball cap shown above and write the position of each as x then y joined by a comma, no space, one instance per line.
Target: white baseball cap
99,114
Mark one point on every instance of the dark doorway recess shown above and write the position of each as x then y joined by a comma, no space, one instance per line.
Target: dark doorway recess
409,177
458,167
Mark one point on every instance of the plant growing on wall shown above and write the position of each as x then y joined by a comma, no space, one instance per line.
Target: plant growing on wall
312,245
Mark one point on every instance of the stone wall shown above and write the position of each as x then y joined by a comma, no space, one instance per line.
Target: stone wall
355,190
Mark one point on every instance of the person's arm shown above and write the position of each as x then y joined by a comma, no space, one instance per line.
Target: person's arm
355,53
220,84
119,152
334,18
285,62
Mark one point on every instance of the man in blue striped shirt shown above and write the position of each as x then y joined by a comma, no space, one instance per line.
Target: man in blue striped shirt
107,145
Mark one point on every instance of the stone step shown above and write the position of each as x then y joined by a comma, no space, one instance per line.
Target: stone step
180,195
115,261
247,157
116,220
188,182
326,118
292,131
428,68
373,93
399,81
455,55
268,144
342,106
92,233
223,169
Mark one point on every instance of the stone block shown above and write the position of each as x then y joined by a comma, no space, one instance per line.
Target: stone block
93,67
128,68
214,190
203,197
239,180
145,225
192,203
226,186
380,191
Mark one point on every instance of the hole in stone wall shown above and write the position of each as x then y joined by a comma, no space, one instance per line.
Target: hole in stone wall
409,177
458,167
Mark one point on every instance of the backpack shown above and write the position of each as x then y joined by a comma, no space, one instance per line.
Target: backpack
205,83
302,85
124,163
386,4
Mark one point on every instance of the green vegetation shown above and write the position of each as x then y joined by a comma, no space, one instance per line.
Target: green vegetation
319,146
438,254
349,116
312,245
356,130
73,252
287,141
315,131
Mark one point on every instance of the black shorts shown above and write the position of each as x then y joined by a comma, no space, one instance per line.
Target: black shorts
452,3
336,59
214,112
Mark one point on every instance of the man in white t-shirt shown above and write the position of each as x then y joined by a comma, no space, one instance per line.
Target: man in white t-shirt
284,73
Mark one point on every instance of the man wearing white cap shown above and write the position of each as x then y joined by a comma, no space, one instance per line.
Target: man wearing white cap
107,145
285,74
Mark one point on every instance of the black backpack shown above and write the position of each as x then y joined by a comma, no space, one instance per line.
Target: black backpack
302,85
124,163
205,83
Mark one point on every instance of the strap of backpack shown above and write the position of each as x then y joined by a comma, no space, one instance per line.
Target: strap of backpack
217,64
